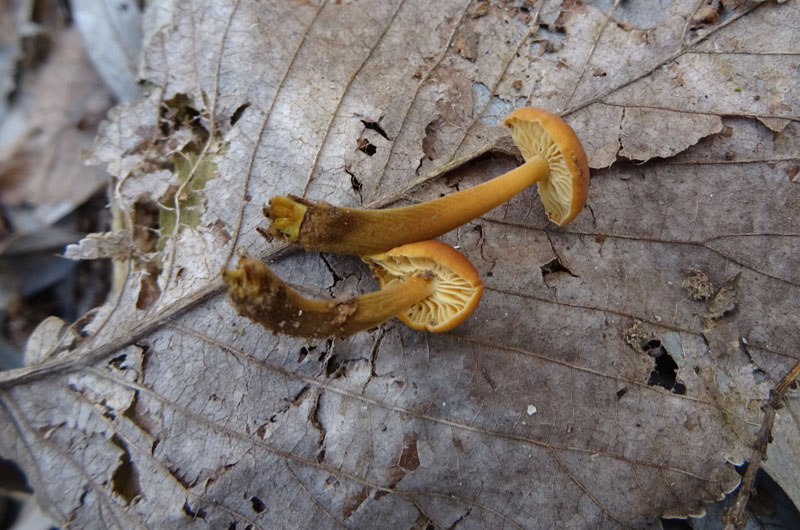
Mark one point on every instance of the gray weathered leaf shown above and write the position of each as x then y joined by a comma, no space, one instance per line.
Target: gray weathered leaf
117,245
113,33
174,412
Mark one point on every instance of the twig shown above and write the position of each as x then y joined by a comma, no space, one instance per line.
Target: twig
735,517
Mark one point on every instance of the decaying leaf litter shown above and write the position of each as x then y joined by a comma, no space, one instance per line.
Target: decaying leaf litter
216,422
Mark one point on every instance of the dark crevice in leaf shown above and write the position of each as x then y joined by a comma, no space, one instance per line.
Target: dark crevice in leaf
108,412
313,418
665,369
180,112
458,521
771,506
375,126
258,504
675,524
355,183
322,356
178,474
13,478
336,277
117,361
303,353
237,114
301,396
334,367
145,225
373,355
366,147
145,237
149,291
554,266
125,480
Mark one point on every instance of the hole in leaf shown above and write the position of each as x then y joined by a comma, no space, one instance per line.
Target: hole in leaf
355,184
117,361
125,480
145,237
180,112
333,366
302,355
651,345
553,266
375,126
149,291
301,396
258,504
238,113
675,524
665,371
13,478
366,147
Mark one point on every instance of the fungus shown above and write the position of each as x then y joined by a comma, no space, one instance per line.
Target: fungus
553,157
457,286
258,294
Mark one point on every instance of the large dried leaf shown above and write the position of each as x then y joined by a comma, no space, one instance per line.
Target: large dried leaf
44,166
615,368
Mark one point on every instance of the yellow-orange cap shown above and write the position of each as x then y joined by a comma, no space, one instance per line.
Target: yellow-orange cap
538,132
457,285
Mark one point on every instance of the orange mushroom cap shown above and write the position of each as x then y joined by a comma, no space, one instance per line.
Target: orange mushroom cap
457,287
537,132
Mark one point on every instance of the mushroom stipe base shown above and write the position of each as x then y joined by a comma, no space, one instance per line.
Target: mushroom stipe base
258,294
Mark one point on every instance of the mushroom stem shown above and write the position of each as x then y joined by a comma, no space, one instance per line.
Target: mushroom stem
322,227
258,294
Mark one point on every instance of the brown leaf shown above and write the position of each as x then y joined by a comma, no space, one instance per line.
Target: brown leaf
45,165
542,409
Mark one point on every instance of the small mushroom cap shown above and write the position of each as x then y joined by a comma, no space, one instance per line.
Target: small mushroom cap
457,285
538,132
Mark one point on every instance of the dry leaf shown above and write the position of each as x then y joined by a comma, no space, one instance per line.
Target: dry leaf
115,245
44,165
113,33
183,414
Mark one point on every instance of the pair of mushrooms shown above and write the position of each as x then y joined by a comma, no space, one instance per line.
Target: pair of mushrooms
427,284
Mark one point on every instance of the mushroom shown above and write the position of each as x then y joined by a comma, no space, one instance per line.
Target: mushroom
553,157
258,294
457,286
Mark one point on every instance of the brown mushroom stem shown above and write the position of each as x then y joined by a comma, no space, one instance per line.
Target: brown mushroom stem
322,227
258,294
